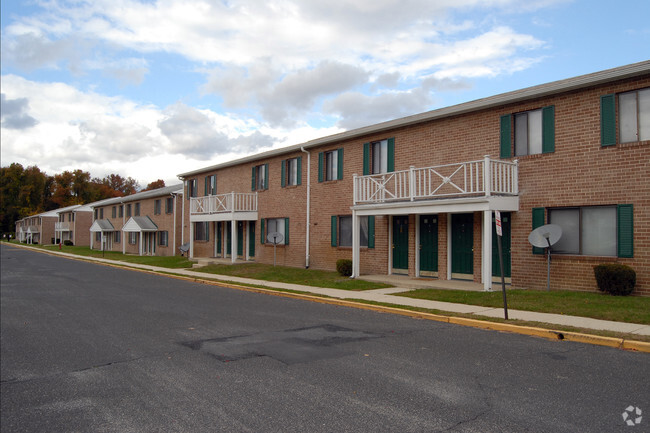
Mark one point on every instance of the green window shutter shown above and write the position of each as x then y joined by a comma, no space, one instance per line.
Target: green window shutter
321,168
505,133
538,221
253,180
219,237
262,231
339,168
371,231
608,120
283,170
333,231
286,231
205,186
266,177
391,155
625,230
299,170
366,159
548,129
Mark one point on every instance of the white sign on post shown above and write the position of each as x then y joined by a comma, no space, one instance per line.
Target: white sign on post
497,216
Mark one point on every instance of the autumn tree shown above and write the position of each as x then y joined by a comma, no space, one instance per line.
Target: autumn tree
155,185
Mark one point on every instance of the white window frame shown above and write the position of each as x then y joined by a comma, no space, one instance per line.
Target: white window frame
604,234
345,221
291,172
529,132
379,157
634,116
331,165
276,225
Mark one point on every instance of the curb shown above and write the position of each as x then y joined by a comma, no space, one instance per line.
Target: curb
550,334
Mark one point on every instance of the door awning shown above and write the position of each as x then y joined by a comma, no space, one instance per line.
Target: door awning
102,226
140,224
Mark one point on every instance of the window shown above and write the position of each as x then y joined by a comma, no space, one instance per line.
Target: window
98,236
133,238
136,211
291,172
96,213
341,235
73,217
260,180
379,157
201,231
169,205
128,210
157,207
121,211
534,132
634,116
113,212
191,188
594,230
211,185
116,237
163,238
70,215
101,214
330,165
276,225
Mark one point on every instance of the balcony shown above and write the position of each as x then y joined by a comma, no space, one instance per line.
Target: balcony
482,178
62,226
224,207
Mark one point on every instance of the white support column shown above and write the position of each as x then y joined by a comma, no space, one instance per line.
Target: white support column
486,259
124,241
141,240
233,240
356,244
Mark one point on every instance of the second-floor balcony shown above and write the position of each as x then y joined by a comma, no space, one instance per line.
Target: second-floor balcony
61,226
223,206
486,177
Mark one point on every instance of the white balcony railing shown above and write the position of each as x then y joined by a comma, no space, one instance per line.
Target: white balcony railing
223,203
60,226
475,178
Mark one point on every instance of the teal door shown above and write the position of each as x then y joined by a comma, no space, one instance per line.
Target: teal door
429,243
251,239
462,243
240,238
228,238
400,242
505,246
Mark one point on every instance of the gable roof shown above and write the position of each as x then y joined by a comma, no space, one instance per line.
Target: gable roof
102,226
555,87
167,190
140,224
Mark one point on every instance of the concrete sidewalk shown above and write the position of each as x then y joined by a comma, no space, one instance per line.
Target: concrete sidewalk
389,296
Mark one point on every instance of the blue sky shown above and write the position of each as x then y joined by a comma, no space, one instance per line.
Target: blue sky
150,89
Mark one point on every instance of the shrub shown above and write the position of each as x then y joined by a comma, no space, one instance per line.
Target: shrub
68,243
615,278
344,267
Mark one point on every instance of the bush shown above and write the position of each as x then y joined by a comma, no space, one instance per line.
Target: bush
68,243
615,278
344,267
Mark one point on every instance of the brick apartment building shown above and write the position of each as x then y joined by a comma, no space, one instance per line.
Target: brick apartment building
417,195
145,223
40,228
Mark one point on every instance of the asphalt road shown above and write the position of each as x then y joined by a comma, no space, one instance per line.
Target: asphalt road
90,348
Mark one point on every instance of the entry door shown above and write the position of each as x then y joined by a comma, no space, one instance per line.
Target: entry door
462,243
251,239
505,246
240,238
429,243
228,238
400,242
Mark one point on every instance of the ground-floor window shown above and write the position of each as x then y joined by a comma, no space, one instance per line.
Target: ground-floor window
163,238
201,231
133,238
276,225
342,231
117,237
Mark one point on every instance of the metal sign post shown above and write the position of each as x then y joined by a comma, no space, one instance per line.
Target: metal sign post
499,228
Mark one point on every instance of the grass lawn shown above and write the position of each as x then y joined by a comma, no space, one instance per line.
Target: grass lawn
284,274
633,309
173,262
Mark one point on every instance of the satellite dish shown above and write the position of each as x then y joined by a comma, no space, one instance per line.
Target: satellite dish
545,236
275,238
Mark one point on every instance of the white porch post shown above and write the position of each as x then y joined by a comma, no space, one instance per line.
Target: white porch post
124,241
191,240
233,240
486,259
141,239
356,244
92,238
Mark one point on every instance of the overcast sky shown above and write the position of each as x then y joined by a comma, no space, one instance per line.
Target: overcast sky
150,89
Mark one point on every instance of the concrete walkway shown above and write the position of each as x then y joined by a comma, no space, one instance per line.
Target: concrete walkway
390,296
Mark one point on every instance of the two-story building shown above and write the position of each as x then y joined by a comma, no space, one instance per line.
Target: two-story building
40,228
145,223
417,195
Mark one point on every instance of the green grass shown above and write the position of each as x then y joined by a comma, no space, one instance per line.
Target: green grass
285,274
633,309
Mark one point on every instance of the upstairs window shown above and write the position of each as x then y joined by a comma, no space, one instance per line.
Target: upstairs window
534,132
330,165
379,157
210,185
633,117
114,212
101,213
121,212
157,206
137,210
260,179
291,172
128,210
169,205
191,187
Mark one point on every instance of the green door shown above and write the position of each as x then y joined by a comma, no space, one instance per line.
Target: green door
429,243
240,238
400,242
251,239
462,243
228,238
505,246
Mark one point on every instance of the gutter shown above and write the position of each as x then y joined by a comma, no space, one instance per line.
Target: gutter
308,206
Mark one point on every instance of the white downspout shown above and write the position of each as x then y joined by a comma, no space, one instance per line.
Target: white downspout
308,206
174,230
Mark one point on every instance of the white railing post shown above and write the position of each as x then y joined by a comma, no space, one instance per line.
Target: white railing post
515,178
412,182
355,189
487,185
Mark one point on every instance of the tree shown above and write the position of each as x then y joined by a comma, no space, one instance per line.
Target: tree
155,185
